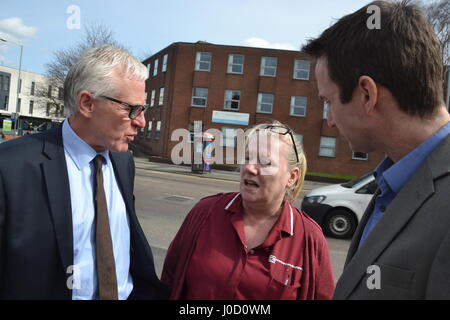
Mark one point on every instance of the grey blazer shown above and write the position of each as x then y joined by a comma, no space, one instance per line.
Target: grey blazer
407,254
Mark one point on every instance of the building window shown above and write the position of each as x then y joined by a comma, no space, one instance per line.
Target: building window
149,129
158,130
298,106
60,93
19,102
232,99
235,63
6,102
152,98
155,68
6,83
228,137
30,110
149,65
33,87
199,97
164,65
325,110
301,69
299,137
327,147
203,61
20,85
49,93
161,96
47,112
360,156
265,103
269,66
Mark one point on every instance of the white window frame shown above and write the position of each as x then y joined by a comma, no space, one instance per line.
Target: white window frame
199,97
158,130
298,69
264,66
354,157
326,109
229,94
299,137
164,64
228,137
298,106
161,96
155,67
199,61
232,64
260,102
152,98
327,146
150,129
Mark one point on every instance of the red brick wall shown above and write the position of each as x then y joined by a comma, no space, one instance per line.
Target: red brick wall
180,79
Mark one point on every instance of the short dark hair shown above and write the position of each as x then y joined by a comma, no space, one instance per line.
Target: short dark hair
403,55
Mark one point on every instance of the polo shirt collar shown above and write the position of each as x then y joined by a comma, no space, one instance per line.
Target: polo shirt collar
285,223
79,151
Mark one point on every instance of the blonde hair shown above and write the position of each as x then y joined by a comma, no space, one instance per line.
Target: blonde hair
293,192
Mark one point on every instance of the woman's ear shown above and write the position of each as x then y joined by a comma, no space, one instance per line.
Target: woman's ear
293,177
85,103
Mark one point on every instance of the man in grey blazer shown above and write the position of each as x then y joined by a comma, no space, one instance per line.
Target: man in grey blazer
380,69
68,224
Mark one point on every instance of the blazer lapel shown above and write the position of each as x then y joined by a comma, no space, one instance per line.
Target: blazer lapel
58,192
418,189
123,180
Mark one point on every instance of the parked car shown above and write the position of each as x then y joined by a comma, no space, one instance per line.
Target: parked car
338,208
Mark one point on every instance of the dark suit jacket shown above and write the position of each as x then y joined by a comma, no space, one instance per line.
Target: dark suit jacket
36,239
410,244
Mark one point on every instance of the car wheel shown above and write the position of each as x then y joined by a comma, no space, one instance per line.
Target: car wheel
340,224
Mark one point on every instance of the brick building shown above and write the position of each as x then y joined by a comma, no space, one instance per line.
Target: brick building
231,87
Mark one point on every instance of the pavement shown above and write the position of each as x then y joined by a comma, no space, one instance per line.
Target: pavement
146,164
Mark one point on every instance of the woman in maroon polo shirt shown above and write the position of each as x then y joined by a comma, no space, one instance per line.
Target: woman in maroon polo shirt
253,244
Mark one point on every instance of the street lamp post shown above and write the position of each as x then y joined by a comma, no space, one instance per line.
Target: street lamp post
18,82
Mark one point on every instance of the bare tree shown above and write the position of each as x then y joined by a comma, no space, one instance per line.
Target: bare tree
50,93
438,13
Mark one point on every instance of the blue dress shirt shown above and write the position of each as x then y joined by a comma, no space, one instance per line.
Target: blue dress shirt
392,177
79,156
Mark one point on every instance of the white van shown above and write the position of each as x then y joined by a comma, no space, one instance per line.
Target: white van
338,208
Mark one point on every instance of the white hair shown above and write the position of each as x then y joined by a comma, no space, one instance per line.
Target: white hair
94,72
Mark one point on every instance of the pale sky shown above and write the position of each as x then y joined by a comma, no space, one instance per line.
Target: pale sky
147,26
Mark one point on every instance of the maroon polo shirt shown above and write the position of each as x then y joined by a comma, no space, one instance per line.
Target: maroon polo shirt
221,267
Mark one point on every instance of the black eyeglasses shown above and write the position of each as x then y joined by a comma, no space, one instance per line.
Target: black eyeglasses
135,110
283,131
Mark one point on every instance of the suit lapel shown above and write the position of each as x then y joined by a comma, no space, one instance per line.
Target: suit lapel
122,179
418,189
58,192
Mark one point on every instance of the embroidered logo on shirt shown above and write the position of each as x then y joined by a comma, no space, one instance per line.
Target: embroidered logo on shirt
273,259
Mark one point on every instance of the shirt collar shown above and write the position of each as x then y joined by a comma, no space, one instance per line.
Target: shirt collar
79,151
397,174
284,224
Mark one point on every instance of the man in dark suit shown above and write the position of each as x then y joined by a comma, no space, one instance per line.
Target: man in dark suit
380,69
68,226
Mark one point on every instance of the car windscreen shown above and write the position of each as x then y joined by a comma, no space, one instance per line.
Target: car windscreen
351,183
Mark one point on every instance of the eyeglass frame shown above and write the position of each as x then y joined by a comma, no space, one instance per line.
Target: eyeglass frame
288,131
133,107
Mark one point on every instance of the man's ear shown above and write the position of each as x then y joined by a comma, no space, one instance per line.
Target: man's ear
85,103
369,91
